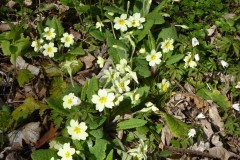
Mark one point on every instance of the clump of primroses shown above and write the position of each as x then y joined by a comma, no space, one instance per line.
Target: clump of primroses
47,45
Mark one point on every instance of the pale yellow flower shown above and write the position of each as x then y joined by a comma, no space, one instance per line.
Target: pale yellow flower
67,39
154,58
121,23
77,130
49,50
49,33
66,152
167,45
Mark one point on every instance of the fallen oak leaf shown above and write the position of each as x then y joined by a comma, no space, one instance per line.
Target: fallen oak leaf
48,136
88,60
200,103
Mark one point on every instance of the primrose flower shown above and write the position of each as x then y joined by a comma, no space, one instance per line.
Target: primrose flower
99,25
189,61
118,99
149,106
66,152
67,39
131,74
111,74
49,49
154,58
49,33
100,61
77,130
236,106
167,45
37,44
224,63
136,20
122,85
195,42
140,152
121,23
103,99
121,67
53,144
134,97
142,51
238,85
191,133
164,85
70,100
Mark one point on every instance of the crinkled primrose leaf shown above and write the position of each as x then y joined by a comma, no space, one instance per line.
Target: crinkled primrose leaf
131,123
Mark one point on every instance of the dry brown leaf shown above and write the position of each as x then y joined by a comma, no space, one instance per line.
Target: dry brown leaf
217,120
229,16
215,141
48,136
88,60
75,34
189,88
12,156
31,132
200,146
200,103
28,2
11,4
166,136
15,139
21,63
4,27
220,152
207,128
211,30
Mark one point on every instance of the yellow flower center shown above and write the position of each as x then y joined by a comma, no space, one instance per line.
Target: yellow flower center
121,85
50,49
153,57
77,130
168,44
67,154
69,101
49,33
121,22
102,100
164,87
190,61
134,23
67,39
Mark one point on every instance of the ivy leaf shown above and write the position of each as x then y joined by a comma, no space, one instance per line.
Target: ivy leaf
24,76
131,123
178,128
99,149
43,154
28,107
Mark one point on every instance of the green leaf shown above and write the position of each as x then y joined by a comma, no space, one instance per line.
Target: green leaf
56,103
99,149
142,67
178,128
28,107
174,59
97,34
22,44
215,96
168,32
78,51
165,154
43,154
5,45
131,123
110,155
92,88
97,133
156,17
114,9
24,76
57,25
151,41
95,122
141,33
